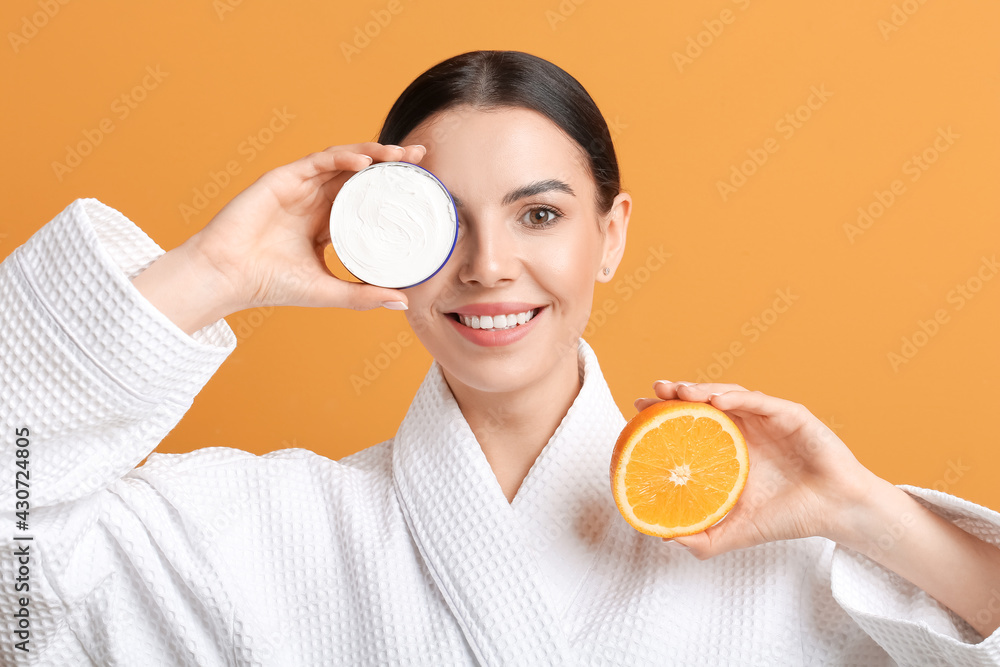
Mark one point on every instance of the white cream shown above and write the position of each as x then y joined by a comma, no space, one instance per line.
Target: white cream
393,224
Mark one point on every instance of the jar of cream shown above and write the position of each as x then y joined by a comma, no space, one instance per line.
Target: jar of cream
393,224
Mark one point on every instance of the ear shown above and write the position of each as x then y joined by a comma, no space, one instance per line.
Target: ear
614,236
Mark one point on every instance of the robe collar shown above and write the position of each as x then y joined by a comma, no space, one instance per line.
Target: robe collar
493,561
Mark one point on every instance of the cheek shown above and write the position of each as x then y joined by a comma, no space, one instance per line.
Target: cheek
426,300
566,269
419,303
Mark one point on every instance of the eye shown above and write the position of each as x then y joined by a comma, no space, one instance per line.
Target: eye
540,217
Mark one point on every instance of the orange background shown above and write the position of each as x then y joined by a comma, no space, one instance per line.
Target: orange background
895,73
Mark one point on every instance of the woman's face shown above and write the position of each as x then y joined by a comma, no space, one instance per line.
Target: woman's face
530,245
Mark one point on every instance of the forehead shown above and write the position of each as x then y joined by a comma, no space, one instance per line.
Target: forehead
482,154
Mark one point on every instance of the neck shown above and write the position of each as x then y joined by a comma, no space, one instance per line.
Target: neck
513,427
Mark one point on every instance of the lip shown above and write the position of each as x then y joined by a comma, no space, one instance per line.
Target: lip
490,338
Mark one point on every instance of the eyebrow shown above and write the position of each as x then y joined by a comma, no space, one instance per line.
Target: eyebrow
528,190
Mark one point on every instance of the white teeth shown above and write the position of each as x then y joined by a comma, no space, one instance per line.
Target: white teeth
496,322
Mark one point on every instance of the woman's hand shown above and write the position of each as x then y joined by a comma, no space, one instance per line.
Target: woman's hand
266,246
803,480
268,242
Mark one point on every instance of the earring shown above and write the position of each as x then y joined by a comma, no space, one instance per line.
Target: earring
607,271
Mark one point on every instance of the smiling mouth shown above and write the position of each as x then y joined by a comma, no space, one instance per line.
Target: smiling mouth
495,322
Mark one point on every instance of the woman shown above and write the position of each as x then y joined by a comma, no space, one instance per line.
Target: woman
484,530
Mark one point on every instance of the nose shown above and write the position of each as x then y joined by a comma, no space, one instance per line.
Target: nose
488,253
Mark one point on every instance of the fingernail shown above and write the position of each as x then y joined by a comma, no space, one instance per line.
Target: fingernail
687,384
370,160
421,146
394,305
394,146
716,394
661,382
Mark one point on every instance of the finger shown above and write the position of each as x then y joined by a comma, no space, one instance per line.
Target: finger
389,153
692,391
320,249
719,539
746,403
413,153
698,545
323,239
326,165
336,293
674,545
332,159
386,152
643,403
379,152
331,180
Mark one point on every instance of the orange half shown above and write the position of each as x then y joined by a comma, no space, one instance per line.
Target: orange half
678,467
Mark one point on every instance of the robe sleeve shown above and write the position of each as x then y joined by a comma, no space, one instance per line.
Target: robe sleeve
92,378
913,627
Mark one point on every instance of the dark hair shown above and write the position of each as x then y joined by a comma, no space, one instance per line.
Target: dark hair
493,79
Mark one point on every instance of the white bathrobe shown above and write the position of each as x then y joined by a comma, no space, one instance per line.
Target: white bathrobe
404,553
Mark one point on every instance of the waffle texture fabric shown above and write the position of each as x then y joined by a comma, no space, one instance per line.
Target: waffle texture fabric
404,553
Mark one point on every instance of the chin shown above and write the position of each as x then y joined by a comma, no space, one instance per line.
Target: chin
498,368
498,372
